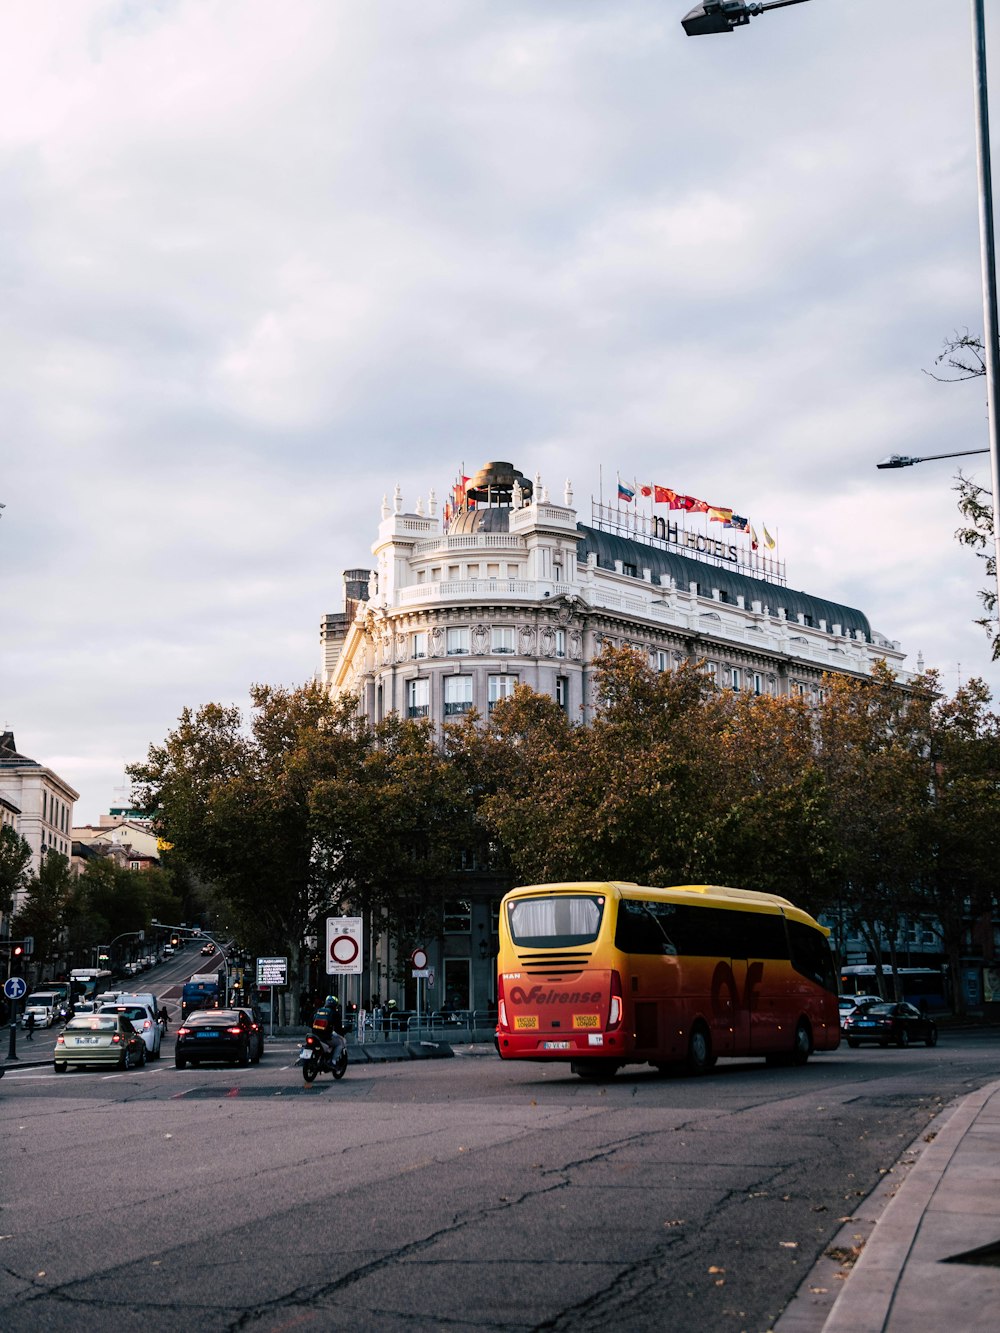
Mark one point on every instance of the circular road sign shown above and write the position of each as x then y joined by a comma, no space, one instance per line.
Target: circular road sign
14,987
344,949
419,959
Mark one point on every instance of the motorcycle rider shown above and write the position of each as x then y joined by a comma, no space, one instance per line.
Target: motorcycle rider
325,1022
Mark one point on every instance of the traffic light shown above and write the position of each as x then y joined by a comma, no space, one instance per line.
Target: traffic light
16,960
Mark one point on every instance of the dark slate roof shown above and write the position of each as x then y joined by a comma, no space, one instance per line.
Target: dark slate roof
9,756
684,570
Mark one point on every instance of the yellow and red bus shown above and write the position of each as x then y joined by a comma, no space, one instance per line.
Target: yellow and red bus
606,974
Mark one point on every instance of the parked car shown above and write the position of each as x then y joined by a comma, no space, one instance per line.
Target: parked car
848,1004
214,1034
143,1018
168,951
887,1022
99,1039
257,1029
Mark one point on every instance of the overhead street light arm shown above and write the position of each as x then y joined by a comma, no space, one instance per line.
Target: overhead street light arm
904,460
725,15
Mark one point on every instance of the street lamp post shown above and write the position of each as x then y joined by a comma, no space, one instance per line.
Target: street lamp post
723,16
199,933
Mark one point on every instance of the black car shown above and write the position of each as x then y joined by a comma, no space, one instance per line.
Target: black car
900,1023
215,1034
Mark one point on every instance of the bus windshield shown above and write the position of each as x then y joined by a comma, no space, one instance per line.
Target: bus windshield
556,922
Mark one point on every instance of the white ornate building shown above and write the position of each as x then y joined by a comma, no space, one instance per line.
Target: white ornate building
514,588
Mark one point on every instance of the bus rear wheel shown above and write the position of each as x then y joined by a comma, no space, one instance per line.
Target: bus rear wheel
699,1057
802,1047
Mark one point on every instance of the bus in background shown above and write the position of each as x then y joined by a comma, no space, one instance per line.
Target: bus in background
926,987
89,982
600,975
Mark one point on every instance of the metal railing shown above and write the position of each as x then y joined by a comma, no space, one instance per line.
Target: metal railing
462,1027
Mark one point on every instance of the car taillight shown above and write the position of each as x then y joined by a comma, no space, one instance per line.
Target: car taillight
615,1012
146,1025
501,1005
116,1039
183,1032
60,1041
233,1031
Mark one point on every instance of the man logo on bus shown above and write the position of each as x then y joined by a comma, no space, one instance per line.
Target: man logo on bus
537,995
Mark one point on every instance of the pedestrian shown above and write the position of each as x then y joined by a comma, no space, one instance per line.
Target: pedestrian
164,1018
30,1025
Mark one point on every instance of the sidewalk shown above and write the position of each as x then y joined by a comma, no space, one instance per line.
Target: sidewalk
932,1260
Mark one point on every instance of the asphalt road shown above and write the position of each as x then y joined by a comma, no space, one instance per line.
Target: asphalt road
447,1194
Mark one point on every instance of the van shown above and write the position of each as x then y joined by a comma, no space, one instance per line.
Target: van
44,1004
140,997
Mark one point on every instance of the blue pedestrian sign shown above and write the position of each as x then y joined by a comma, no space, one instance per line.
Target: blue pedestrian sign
14,987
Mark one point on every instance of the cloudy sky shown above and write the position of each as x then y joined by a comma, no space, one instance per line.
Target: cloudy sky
260,262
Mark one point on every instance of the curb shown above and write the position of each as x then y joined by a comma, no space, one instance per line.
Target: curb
865,1304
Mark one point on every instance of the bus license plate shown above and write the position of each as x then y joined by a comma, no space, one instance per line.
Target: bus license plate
555,1045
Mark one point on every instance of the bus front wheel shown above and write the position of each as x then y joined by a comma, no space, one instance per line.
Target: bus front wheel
699,1057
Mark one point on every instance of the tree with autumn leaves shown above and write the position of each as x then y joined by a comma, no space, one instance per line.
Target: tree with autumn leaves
864,806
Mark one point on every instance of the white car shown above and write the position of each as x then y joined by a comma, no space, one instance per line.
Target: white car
848,1004
145,1022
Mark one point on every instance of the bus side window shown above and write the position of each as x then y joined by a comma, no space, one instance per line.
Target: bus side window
643,927
811,955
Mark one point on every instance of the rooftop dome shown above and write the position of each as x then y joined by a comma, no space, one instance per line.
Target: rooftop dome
494,484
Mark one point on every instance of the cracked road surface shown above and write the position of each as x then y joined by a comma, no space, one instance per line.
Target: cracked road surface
448,1194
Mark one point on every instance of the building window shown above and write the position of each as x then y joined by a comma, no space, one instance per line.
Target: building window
457,916
418,697
418,643
758,683
736,678
560,643
631,570
557,573
502,639
456,984
457,641
711,671
562,691
662,661
500,687
457,695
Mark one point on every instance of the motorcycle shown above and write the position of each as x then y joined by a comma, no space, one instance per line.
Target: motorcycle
317,1058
